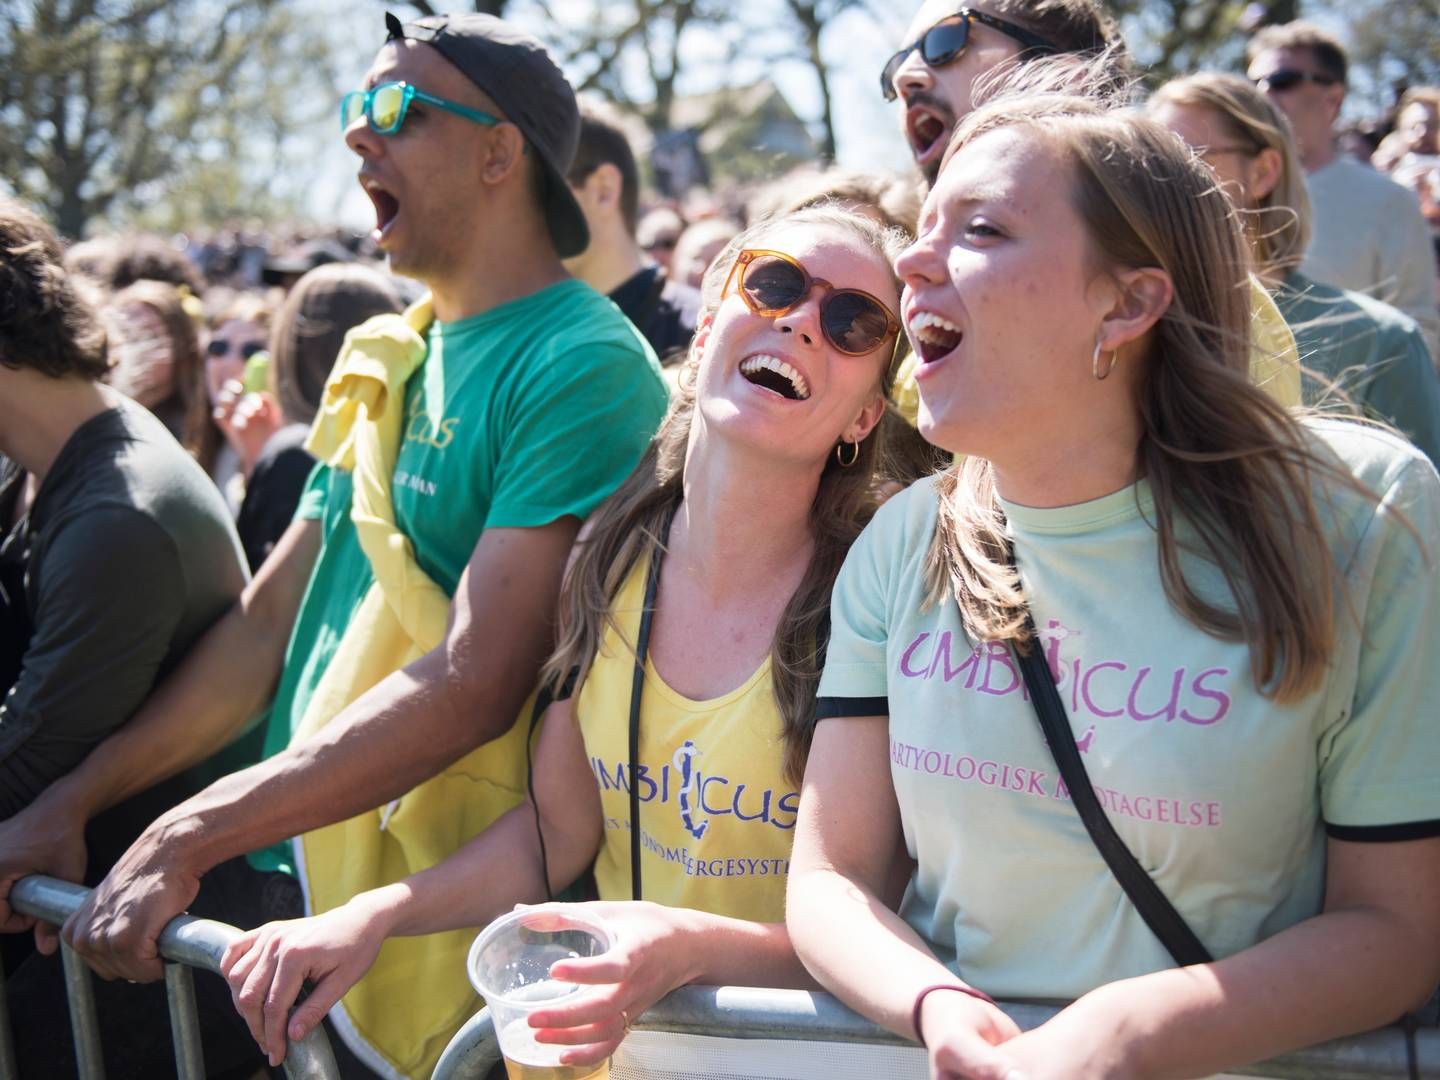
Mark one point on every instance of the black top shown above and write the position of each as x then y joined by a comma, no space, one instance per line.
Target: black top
124,559
664,311
273,492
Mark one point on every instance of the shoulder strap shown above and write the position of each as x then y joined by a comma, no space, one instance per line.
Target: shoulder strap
1155,908
637,691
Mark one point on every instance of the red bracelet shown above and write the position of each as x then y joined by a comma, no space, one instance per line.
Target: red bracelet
920,1000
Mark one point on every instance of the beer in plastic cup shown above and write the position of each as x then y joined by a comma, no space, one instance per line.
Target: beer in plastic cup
509,966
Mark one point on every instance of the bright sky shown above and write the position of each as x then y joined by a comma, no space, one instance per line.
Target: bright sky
867,128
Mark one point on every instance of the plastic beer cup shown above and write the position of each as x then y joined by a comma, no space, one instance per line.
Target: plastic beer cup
509,966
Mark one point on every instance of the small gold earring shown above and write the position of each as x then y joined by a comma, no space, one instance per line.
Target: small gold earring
1095,362
840,454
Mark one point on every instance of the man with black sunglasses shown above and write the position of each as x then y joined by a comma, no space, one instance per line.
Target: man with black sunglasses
400,623
1368,233
947,47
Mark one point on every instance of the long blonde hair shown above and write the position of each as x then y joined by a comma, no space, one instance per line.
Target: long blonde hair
1218,453
627,525
1278,224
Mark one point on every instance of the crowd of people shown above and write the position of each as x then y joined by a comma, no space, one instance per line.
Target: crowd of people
1015,582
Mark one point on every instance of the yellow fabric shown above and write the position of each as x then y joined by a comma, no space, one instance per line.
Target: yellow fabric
712,767
1274,360
409,1004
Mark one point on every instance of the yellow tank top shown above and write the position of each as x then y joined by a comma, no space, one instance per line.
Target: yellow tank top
716,813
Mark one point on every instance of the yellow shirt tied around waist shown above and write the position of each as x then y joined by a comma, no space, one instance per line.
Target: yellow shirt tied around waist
1274,360
407,1006
717,815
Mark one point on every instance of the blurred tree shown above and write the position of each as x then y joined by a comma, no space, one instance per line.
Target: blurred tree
812,17
108,105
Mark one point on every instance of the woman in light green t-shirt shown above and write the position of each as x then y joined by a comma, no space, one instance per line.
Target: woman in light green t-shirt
1236,607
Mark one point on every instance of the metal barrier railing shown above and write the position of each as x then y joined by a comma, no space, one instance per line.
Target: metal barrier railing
739,1012
185,943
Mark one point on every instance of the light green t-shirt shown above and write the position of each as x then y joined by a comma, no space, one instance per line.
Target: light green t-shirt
1223,795
519,416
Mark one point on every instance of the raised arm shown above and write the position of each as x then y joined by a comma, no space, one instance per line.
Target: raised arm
846,842
407,728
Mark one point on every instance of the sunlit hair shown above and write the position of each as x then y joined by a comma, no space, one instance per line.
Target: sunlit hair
894,200
1277,224
626,526
1071,26
1229,469
199,435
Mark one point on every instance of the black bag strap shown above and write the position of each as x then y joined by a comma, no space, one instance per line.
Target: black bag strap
1154,906
637,691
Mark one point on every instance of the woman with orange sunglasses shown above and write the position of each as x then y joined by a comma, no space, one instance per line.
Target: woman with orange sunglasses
675,775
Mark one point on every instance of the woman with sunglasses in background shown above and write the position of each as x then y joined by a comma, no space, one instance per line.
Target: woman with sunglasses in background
237,336
1146,575
1357,349
714,561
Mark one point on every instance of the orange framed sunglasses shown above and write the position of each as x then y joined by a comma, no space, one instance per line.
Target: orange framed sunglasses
773,284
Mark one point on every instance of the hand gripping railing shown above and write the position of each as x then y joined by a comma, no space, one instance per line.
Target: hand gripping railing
185,942
744,1012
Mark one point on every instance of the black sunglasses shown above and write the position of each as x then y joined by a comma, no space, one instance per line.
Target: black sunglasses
219,347
947,39
1289,78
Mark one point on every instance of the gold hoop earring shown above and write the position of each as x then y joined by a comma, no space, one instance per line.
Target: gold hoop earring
840,454
1095,362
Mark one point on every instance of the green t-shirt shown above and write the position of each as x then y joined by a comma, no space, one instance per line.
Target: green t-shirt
1373,352
1223,795
519,416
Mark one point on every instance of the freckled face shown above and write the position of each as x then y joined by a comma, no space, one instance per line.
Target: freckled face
1003,299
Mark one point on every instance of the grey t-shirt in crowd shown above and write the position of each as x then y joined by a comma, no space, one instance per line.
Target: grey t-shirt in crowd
125,557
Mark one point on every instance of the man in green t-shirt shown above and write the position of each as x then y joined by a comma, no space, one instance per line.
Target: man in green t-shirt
535,399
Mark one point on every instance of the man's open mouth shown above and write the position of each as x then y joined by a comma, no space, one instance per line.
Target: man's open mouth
928,130
775,375
934,336
387,206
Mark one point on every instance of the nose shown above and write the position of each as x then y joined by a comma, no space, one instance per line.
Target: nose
913,76
359,138
804,318
921,263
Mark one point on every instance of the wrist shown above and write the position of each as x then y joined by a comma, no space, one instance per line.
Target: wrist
66,802
926,998
691,937
384,909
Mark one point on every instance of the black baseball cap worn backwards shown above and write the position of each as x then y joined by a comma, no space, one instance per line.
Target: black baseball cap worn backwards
516,72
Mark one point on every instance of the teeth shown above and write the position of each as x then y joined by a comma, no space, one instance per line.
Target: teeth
923,325
752,364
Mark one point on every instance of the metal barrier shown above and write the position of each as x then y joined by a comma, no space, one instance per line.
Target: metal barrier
744,1012
185,942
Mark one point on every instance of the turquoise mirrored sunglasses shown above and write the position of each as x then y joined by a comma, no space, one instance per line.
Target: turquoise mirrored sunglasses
384,107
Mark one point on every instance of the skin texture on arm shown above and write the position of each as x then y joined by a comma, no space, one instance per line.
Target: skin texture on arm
266,967
403,731
224,680
844,858
1373,953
